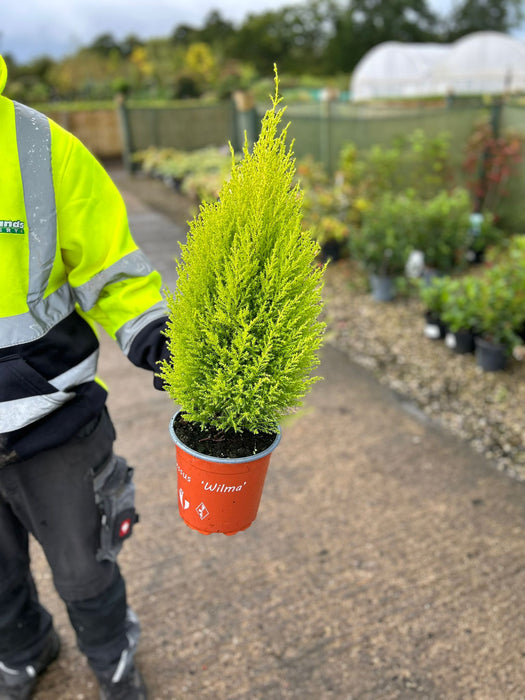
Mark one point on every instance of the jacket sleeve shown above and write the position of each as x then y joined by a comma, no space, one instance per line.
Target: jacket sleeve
150,347
114,283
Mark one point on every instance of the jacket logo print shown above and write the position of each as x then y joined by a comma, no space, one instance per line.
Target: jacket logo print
11,226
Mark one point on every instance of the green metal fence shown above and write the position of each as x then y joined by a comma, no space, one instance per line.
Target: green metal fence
319,129
185,128
322,130
513,118
324,134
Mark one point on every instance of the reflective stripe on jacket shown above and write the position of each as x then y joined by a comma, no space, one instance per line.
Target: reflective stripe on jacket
67,262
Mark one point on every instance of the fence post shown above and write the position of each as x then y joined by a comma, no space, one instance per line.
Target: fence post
246,118
495,120
327,97
125,132
495,125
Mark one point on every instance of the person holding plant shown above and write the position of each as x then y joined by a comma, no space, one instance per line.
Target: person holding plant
67,262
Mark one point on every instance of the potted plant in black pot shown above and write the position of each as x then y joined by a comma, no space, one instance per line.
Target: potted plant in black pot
501,315
443,232
243,333
460,312
434,295
383,241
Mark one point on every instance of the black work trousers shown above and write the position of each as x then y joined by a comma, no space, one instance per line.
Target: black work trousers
51,497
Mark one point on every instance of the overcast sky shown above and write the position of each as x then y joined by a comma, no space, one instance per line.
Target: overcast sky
32,28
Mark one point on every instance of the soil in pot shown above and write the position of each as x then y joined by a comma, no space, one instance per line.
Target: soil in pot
222,444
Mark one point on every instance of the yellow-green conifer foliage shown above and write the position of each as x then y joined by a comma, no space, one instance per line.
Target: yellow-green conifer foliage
244,325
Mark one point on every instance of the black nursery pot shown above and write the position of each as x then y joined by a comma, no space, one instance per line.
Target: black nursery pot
462,342
491,357
475,257
331,250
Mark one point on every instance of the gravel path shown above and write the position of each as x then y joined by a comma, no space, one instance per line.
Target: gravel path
483,408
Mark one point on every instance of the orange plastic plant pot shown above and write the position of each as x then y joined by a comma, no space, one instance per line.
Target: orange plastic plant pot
216,494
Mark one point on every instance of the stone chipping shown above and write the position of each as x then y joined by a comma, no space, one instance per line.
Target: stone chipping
486,409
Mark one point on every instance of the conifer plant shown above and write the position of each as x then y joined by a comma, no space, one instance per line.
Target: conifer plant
244,328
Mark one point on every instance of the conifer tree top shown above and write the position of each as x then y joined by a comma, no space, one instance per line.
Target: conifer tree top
244,331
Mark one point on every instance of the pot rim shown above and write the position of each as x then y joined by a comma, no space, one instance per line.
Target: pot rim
486,344
221,460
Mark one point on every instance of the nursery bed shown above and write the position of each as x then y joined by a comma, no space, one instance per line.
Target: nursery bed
483,408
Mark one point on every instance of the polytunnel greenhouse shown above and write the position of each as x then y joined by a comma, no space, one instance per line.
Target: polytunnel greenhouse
479,63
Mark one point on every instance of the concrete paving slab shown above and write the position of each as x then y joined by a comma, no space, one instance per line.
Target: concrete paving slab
386,562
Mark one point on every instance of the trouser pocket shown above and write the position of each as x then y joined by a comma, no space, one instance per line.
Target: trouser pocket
115,498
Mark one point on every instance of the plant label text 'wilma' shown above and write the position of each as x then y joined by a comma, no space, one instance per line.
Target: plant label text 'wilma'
221,488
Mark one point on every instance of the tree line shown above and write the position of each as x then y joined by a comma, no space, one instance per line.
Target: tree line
318,38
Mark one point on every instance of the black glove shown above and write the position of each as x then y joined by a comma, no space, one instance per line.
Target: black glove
149,348
158,382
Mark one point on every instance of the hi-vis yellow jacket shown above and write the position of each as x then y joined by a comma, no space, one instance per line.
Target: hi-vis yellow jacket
67,262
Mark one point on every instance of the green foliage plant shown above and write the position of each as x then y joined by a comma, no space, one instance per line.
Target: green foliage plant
384,239
151,160
460,305
243,331
490,304
325,213
501,309
384,170
331,205
419,162
427,163
435,294
444,229
178,164
502,298
509,253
